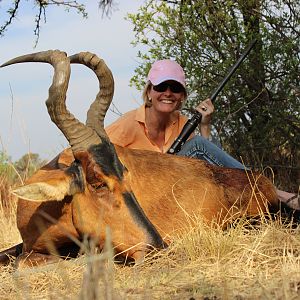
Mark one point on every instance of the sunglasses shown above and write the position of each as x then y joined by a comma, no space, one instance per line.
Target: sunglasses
174,87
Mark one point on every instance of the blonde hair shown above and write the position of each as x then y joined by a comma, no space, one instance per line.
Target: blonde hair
146,99
148,102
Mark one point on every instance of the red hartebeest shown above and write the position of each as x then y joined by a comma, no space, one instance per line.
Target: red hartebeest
144,197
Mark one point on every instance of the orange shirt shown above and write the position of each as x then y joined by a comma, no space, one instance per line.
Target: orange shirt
130,131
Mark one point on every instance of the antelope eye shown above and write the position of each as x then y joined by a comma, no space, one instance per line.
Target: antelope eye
98,185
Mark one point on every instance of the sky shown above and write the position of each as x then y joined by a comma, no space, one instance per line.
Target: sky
25,125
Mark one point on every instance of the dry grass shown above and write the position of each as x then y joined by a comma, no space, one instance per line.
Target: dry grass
9,234
243,262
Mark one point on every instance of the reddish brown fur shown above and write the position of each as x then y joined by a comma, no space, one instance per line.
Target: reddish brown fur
200,188
97,190
173,192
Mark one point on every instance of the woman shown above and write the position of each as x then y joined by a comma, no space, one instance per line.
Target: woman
157,123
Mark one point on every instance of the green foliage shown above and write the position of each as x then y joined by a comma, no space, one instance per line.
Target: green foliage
17,172
7,175
14,174
257,114
6,169
28,164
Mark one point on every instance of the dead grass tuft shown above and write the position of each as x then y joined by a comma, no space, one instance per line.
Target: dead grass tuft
242,262
249,260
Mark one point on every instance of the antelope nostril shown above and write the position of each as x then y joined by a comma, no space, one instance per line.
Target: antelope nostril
164,245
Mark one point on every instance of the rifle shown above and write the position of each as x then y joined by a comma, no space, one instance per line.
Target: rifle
193,122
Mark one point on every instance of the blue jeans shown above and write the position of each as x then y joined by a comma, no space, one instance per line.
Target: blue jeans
201,148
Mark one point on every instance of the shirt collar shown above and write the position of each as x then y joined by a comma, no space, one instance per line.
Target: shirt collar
140,115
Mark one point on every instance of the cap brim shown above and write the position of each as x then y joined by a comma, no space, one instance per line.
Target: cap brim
163,79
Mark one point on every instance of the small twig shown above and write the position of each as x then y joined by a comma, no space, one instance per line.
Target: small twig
239,109
13,13
115,110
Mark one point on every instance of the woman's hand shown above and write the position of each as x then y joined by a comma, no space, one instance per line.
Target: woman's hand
206,108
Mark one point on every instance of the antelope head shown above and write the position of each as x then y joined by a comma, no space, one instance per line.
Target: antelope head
97,180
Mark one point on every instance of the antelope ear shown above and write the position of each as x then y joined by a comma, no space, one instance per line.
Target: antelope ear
42,191
53,185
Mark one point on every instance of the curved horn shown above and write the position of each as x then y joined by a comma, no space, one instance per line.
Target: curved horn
80,137
98,109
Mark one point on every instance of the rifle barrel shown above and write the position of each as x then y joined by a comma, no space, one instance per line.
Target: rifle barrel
193,122
232,70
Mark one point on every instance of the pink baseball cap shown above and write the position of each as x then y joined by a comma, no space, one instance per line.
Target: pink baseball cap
166,69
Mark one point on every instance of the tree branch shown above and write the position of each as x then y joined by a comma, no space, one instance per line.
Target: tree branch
12,13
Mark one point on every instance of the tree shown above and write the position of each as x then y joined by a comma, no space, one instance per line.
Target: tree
40,7
7,174
6,169
28,164
15,173
257,116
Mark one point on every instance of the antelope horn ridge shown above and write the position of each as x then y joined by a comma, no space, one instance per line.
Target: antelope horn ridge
79,136
99,107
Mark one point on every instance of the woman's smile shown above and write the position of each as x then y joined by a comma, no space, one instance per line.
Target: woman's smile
168,101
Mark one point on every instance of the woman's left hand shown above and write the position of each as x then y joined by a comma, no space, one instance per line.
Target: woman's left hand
206,108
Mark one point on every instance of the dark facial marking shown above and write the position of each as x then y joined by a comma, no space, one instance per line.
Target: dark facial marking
141,219
75,171
106,157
